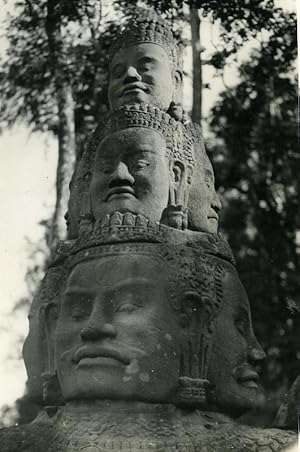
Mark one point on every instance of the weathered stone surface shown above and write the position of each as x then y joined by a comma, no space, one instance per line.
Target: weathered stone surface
146,64
143,163
112,269
107,426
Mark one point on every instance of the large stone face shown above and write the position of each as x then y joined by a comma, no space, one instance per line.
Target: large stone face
117,335
142,73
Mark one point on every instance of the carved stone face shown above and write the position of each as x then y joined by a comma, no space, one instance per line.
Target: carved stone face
204,203
116,332
142,73
236,352
131,173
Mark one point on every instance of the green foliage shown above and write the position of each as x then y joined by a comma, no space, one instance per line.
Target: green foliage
257,168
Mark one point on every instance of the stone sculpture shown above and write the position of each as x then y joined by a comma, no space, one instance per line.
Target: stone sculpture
153,75
141,337
113,336
143,164
152,54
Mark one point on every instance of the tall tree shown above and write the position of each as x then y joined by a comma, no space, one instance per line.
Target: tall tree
66,117
197,65
54,77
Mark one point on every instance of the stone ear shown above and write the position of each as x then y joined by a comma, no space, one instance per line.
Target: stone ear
177,175
49,316
191,308
178,80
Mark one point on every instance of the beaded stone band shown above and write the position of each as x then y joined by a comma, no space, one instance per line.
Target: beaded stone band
145,26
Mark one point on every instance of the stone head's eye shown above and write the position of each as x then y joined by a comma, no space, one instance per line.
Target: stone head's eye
127,307
140,164
117,70
145,64
80,307
106,167
241,324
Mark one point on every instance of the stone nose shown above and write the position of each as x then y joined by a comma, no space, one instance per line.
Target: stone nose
132,75
255,353
99,324
216,202
97,330
121,173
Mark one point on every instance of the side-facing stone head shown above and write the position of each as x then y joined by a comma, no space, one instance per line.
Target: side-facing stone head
146,64
235,354
204,203
142,164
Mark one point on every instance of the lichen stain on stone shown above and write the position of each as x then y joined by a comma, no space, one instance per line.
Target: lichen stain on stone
144,377
126,379
133,367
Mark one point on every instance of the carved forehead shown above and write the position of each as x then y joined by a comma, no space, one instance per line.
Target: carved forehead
235,296
132,139
130,267
148,117
135,52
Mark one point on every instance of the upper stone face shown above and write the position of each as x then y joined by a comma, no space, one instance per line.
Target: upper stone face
143,164
146,64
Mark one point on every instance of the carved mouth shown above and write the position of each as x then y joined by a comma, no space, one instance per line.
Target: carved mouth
93,352
247,376
117,191
132,88
213,215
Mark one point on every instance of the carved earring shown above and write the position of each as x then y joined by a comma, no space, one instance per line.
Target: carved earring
176,111
175,216
191,392
52,395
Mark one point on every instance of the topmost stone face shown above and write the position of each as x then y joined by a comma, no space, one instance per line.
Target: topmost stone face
146,65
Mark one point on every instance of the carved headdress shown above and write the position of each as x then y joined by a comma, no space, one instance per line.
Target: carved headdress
178,141
145,26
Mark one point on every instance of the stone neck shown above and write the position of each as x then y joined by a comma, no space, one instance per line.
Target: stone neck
113,407
118,418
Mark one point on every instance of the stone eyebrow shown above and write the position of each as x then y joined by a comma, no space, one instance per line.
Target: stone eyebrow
79,290
147,59
243,311
132,281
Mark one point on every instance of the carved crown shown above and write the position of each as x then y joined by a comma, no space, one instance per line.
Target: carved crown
146,26
178,143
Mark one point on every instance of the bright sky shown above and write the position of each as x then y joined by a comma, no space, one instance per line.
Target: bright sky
27,181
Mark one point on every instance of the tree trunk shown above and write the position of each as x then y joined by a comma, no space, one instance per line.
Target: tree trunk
197,65
66,122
